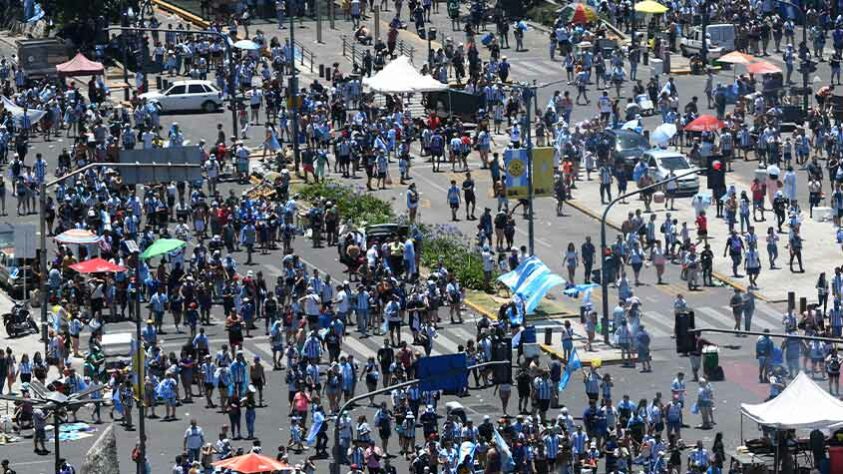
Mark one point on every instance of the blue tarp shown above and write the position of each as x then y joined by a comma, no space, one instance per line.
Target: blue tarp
531,280
444,372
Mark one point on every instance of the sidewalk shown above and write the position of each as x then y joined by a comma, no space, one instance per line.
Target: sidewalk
819,239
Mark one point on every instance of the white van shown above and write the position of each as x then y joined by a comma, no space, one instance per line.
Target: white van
721,40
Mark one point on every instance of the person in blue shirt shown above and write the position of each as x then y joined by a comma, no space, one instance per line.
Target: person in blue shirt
454,200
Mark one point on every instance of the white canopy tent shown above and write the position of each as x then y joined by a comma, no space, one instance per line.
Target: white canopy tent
802,405
400,77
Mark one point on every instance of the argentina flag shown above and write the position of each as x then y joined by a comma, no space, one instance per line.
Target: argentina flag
507,463
531,281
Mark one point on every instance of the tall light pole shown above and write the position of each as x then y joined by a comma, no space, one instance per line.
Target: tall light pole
804,61
294,95
604,247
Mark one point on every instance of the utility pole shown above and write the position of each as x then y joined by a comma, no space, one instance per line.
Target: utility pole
294,95
704,48
317,4
528,95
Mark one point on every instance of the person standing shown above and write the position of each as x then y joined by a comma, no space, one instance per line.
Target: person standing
736,303
705,404
470,197
454,198
194,438
748,308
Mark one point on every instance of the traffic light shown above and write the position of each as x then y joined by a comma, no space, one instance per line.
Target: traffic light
685,339
715,173
502,351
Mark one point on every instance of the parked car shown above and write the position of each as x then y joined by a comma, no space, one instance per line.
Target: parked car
662,162
187,95
627,147
721,40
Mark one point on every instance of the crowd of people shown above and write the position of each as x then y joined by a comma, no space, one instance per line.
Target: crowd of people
306,316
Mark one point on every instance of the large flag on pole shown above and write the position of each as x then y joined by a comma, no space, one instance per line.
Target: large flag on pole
531,281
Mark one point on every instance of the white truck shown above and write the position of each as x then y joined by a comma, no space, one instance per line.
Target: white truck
721,40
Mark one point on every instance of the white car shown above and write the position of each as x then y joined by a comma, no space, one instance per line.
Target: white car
187,95
662,162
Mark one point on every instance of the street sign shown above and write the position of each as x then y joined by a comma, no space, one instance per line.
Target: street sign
162,165
444,372
543,171
517,175
25,241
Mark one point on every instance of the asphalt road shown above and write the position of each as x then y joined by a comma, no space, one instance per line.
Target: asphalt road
552,235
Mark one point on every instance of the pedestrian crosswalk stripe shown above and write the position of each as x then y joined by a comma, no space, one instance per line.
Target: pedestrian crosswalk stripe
657,324
757,319
273,270
360,350
718,320
769,311
465,334
449,345
265,348
540,67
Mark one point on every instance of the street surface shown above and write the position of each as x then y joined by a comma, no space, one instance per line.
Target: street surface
552,234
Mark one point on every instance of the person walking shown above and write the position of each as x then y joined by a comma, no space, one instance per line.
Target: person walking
705,404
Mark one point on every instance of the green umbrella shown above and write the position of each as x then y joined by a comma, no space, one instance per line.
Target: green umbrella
161,247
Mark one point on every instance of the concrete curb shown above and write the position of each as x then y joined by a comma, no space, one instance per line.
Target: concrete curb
182,13
585,362
719,276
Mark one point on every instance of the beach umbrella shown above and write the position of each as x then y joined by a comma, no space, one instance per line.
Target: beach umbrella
736,57
663,133
248,45
762,67
253,463
97,265
704,123
650,6
578,13
78,237
161,247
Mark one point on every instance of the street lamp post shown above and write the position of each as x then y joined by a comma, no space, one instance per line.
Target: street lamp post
604,257
704,47
431,37
804,61
294,95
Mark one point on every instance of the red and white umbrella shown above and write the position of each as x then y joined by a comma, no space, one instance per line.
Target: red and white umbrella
78,237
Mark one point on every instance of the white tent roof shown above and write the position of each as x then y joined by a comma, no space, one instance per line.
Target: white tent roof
802,405
399,76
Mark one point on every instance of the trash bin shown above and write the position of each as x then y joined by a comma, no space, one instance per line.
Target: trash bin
710,359
656,67
835,458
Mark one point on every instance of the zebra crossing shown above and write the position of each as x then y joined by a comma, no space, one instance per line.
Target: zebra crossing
661,323
447,341
542,68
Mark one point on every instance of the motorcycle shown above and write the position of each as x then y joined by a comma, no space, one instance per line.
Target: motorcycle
19,321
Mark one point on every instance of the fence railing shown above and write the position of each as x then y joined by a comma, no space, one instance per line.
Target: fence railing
303,55
353,50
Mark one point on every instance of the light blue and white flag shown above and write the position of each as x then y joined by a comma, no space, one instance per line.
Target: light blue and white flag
318,419
531,281
507,462
574,364
574,291
37,13
467,449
